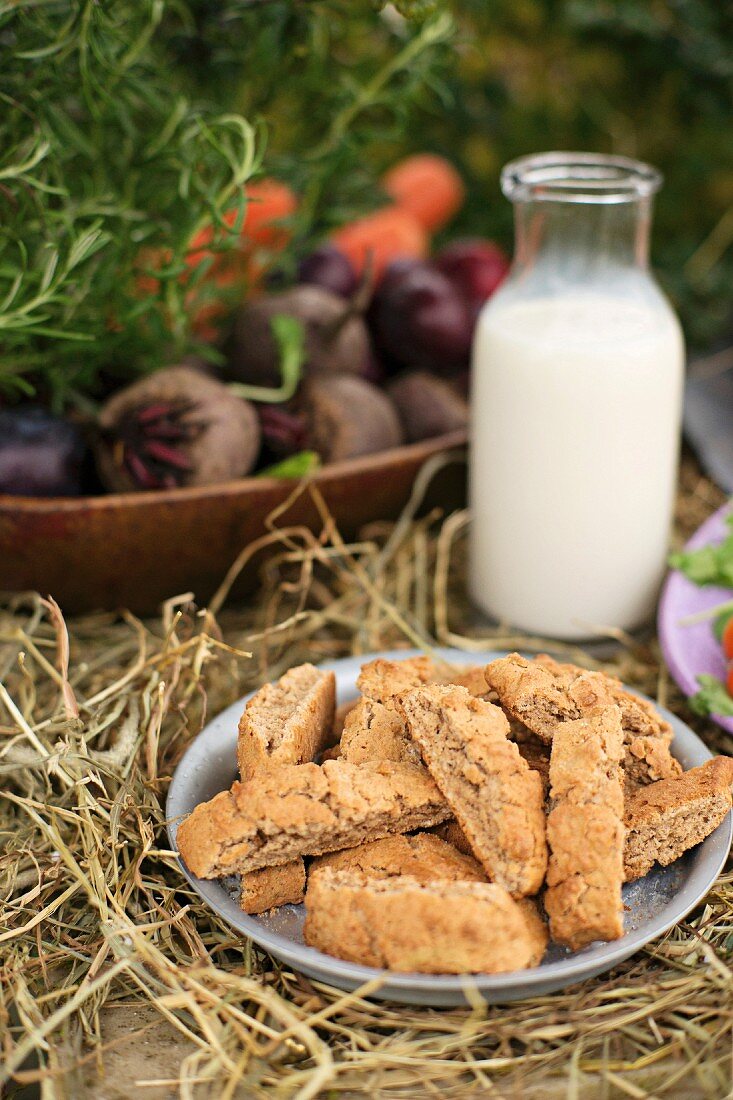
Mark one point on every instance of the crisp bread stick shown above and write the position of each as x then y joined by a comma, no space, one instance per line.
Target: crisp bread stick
271,887
495,796
306,809
585,830
431,928
288,722
665,819
423,856
375,729
284,723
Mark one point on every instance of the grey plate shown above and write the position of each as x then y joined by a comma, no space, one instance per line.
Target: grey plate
653,904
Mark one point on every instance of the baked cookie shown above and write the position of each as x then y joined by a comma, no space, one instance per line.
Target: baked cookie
423,856
665,819
432,928
306,809
288,722
585,830
495,796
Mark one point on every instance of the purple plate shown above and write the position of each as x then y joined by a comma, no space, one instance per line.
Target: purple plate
690,650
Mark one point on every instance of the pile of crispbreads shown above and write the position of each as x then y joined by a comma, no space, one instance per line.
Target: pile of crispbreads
459,818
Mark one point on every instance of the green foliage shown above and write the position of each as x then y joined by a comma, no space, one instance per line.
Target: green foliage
712,564
101,157
290,339
336,84
305,462
128,125
412,9
712,698
647,80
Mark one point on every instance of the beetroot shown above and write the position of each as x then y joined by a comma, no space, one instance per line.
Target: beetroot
419,319
284,430
427,405
475,268
336,338
327,267
176,427
347,417
41,455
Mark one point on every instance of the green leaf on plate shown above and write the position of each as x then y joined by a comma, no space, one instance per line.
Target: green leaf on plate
712,698
709,564
722,619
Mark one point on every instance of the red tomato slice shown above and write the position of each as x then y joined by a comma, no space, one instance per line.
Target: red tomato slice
727,640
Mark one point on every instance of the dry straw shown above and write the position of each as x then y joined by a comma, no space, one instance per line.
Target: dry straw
98,920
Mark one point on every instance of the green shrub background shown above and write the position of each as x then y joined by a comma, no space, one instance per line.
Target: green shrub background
652,80
649,80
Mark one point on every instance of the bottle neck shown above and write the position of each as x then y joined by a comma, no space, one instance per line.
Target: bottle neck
581,242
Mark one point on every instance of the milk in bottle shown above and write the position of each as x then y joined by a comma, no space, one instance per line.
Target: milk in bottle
576,404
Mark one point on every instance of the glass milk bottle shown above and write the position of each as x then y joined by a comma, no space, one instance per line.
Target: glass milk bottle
576,405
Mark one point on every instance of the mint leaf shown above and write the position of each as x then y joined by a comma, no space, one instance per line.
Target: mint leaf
712,698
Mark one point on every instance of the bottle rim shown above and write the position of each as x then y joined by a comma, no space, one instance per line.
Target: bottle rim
579,177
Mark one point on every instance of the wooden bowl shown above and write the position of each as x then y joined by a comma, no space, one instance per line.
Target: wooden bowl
136,549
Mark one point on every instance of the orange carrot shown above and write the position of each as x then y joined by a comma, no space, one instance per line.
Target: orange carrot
428,186
386,235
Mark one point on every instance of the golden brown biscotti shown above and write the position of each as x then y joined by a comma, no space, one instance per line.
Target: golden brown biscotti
543,693
431,928
639,717
271,887
495,796
306,809
288,722
377,731
647,760
423,856
380,680
664,819
471,677
585,830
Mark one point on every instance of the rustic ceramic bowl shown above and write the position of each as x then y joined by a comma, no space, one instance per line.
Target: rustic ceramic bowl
136,549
